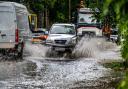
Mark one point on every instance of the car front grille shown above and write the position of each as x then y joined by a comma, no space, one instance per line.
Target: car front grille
60,41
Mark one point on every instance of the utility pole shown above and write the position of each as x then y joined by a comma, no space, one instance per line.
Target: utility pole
46,17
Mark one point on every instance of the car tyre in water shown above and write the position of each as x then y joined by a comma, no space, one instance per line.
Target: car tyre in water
48,53
20,50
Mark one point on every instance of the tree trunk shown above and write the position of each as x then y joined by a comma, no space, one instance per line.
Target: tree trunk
40,20
47,21
46,18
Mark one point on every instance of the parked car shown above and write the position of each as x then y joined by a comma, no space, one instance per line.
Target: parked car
62,37
14,27
39,36
114,35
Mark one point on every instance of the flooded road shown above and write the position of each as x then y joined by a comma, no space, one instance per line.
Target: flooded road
84,71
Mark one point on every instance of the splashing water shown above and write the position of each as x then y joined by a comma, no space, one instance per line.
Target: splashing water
42,51
91,47
36,50
86,48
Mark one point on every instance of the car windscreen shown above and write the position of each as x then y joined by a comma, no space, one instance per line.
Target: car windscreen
86,18
62,29
114,32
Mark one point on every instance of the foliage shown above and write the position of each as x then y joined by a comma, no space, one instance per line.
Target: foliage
121,16
120,8
58,10
59,13
124,83
118,66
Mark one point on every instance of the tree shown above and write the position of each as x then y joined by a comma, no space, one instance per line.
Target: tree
120,8
41,8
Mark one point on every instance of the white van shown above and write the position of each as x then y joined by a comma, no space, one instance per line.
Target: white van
14,27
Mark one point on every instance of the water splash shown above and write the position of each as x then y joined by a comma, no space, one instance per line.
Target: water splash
91,47
86,48
36,50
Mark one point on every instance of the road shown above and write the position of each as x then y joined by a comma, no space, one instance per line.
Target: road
83,71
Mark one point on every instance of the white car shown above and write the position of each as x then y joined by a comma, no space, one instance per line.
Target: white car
62,37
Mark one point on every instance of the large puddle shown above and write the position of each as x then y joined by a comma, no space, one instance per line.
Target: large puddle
84,71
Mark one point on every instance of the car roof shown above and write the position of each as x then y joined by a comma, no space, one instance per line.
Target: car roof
8,3
61,24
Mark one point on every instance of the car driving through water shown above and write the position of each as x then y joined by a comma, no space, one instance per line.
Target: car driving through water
62,37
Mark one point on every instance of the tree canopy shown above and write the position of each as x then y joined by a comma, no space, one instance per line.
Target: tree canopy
52,10
119,7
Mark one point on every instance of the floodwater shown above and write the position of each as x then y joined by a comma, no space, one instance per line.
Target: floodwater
83,71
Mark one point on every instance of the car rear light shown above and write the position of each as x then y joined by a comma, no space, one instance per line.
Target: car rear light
45,37
17,35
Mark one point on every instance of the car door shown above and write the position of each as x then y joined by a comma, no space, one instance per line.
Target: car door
7,25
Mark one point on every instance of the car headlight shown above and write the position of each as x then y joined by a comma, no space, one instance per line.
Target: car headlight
72,41
49,41
79,33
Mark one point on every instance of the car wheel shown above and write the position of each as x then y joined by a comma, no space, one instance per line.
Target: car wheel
20,50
